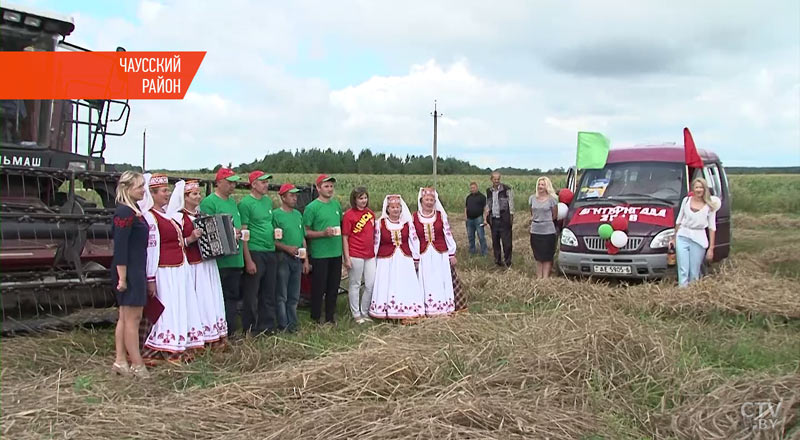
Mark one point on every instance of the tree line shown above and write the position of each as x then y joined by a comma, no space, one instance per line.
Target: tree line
317,160
346,162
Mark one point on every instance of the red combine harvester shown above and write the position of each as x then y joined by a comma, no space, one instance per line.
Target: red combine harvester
56,201
57,193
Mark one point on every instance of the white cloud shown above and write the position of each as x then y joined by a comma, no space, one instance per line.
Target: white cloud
515,80
149,10
395,110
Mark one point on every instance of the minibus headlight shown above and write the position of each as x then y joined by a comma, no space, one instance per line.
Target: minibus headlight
661,240
568,238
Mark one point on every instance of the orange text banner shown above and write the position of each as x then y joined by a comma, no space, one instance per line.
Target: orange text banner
97,75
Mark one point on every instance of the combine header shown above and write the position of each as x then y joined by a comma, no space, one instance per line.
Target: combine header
56,193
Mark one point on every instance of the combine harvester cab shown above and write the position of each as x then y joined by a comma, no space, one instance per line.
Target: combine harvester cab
56,192
646,184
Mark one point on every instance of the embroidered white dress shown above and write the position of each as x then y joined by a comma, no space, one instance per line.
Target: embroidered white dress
179,327
435,278
208,289
396,293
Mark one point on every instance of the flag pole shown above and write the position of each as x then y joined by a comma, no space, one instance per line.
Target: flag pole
436,116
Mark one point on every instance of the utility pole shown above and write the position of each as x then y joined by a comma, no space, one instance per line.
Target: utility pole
436,116
144,149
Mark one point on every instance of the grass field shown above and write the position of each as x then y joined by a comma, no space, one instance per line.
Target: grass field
558,359
756,194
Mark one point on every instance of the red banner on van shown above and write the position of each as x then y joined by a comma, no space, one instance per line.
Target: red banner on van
655,215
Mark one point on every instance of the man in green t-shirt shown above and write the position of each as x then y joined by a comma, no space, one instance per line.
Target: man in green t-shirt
292,257
323,221
230,267
260,263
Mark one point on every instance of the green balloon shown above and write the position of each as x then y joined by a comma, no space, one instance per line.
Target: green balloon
605,230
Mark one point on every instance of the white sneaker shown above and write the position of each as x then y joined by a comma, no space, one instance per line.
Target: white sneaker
360,320
366,318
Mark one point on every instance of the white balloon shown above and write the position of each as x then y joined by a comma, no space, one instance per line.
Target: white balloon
619,239
563,209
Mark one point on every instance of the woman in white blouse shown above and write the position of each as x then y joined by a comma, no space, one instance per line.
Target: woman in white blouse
698,212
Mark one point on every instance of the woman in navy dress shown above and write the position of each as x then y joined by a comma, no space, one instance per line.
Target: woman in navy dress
128,273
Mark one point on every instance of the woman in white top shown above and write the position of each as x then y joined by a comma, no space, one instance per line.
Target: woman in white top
698,212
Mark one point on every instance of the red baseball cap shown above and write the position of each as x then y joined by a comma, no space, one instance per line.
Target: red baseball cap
227,174
259,175
287,188
325,178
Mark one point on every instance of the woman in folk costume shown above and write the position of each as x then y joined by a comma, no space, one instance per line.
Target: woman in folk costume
437,252
204,273
168,275
396,293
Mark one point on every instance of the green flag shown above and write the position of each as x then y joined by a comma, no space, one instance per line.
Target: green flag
592,150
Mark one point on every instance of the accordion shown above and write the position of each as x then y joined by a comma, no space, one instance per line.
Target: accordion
219,237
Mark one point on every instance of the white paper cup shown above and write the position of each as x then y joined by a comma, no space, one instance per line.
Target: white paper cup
337,230
301,252
245,234
278,233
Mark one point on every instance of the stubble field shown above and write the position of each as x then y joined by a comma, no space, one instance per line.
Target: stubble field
558,359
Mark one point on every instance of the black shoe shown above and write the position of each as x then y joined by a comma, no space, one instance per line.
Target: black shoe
266,332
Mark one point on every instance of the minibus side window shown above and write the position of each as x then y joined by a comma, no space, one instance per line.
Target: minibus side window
713,179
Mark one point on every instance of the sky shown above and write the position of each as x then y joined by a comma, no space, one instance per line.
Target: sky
515,80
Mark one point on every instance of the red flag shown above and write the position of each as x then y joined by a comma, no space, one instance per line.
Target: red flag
692,158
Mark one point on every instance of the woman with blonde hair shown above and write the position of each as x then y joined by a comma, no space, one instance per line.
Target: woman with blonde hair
698,213
129,273
544,211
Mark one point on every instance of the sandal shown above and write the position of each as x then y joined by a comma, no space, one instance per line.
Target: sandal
121,369
140,371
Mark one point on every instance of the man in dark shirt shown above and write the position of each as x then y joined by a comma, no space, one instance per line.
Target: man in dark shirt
500,217
475,205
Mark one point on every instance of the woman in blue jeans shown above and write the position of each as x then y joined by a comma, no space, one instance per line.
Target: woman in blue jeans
698,214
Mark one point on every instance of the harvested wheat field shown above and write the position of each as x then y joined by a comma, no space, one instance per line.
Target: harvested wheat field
561,359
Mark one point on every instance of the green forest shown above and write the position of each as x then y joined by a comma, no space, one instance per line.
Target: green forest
316,160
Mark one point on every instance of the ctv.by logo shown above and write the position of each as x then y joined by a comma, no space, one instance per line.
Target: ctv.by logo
762,416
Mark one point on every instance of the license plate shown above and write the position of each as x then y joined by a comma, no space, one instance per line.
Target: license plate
612,269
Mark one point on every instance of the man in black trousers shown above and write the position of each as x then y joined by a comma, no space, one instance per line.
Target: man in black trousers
500,217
